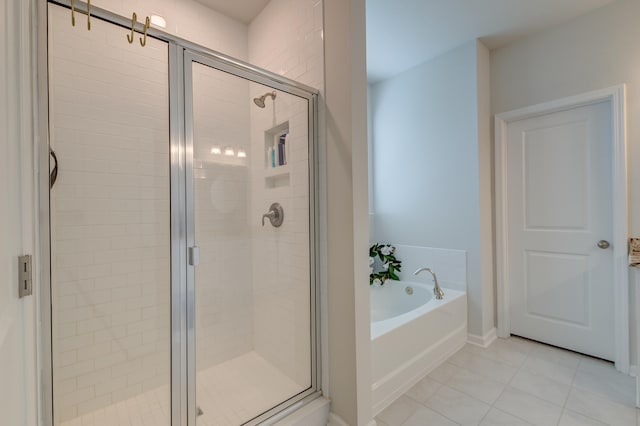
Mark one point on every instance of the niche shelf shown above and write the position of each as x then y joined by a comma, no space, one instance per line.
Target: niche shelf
276,156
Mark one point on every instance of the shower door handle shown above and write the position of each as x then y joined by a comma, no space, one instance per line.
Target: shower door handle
53,176
194,256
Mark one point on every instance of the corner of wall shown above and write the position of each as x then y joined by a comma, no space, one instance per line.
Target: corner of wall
347,231
485,186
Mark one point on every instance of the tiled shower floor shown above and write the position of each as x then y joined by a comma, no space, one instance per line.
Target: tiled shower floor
518,382
229,394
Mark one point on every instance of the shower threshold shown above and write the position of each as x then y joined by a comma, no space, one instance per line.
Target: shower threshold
229,394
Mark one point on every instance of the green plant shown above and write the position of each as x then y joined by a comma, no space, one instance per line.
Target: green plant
390,265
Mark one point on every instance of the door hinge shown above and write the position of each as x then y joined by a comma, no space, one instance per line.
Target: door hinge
194,256
25,276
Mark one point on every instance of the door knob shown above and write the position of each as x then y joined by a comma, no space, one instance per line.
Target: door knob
603,244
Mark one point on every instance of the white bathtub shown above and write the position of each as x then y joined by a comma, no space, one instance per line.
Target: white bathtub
411,334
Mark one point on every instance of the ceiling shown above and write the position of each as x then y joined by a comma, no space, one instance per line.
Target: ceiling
241,10
404,33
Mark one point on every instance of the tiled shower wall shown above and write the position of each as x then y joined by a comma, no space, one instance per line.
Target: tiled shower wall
188,19
109,215
281,255
224,302
286,38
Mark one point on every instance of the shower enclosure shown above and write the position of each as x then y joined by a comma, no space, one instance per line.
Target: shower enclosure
181,230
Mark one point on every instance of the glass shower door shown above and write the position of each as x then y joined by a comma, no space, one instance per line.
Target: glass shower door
252,292
110,225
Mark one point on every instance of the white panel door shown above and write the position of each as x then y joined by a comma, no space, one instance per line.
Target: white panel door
560,207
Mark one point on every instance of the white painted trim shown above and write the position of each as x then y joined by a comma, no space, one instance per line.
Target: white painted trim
315,413
24,42
636,273
336,420
483,341
617,96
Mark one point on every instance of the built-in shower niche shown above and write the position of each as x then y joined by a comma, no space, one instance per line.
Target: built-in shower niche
276,156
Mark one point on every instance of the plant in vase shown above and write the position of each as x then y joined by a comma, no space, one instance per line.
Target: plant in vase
389,264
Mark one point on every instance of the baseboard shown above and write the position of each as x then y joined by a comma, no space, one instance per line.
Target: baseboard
336,420
482,341
315,413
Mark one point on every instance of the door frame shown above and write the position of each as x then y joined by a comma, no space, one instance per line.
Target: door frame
616,96
190,57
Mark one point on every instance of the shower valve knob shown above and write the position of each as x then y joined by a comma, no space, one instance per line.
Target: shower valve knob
275,215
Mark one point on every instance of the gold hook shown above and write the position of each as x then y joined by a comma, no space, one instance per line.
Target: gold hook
147,22
89,15
134,21
73,13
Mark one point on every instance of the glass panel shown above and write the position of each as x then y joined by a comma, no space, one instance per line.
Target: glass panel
253,315
110,225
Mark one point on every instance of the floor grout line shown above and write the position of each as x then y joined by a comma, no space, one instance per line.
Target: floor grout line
496,358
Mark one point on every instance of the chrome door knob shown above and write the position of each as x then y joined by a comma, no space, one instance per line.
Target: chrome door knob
603,244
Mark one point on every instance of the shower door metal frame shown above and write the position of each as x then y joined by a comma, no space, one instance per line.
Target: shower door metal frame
182,386
311,96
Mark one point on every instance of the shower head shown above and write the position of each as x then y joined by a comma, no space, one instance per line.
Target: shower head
260,101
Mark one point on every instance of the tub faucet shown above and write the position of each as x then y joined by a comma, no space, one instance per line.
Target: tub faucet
436,288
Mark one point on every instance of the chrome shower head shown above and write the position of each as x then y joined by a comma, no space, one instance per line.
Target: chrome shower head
260,101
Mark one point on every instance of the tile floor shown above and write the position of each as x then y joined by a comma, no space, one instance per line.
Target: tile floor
517,382
229,394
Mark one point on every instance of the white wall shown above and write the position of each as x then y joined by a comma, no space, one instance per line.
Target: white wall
344,130
18,394
485,186
187,19
429,186
591,52
286,38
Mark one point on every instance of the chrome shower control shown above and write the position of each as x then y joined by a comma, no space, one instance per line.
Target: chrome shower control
275,215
